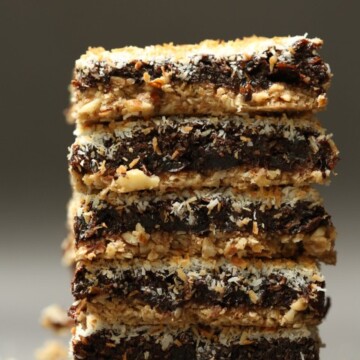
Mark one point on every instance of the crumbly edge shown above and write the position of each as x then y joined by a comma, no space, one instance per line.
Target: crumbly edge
126,99
69,255
56,319
117,312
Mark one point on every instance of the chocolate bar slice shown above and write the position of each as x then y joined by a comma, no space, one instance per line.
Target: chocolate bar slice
213,77
177,152
225,222
191,291
195,342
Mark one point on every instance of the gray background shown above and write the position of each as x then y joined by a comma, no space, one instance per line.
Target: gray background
39,42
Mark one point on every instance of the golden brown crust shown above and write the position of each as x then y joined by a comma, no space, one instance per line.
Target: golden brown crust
239,177
132,100
181,53
113,313
319,245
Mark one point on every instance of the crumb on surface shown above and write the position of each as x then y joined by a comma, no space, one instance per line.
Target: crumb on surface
52,350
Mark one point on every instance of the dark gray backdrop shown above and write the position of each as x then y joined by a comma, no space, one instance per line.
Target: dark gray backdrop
40,39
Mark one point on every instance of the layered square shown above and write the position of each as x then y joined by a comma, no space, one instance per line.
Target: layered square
192,291
194,152
254,74
209,223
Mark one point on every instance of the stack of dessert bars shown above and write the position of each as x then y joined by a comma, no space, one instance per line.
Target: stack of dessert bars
193,229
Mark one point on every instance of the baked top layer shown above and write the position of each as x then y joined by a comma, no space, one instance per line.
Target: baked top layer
180,152
247,47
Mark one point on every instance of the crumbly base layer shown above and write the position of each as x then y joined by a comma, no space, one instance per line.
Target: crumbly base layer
239,177
154,342
118,312
137,244
127,100
69,256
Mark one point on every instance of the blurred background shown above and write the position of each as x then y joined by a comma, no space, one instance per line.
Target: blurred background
40,41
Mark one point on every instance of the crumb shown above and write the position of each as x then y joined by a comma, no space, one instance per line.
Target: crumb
56,319
52,350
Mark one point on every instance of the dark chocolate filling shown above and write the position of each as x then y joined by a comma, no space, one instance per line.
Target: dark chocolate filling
306,69
106,220
220,148
157,290
101,346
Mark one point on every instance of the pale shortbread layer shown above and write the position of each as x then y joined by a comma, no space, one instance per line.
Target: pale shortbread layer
298,274
115,312
127,100
139,244
185,199
240,178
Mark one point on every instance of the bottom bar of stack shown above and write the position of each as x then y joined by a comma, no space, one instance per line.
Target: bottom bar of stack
195,342
197,309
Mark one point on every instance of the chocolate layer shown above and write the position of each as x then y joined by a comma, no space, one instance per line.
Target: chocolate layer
185,346
225,285
168,215
304,68
205,145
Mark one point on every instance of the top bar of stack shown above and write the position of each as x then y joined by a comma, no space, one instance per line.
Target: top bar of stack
213,77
